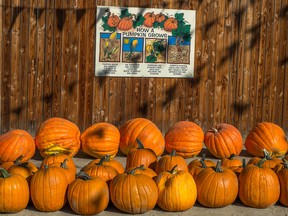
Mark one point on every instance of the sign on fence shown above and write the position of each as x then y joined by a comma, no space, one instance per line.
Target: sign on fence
145,42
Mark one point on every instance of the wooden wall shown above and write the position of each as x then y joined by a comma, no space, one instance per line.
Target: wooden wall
47,50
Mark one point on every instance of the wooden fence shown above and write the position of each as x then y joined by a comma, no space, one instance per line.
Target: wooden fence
47,50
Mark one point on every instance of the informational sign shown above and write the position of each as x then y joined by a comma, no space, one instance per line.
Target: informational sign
145,42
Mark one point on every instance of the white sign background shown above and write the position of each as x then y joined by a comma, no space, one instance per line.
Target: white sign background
114,53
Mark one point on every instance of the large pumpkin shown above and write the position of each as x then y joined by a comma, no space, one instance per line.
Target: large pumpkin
259,186
223,140
16,143
143,129
58,136
186,138
100,139
14,195
133,193
283,180
269,136
177,190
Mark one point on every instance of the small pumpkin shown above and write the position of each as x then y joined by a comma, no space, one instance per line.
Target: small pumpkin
177,190
197,162
167,162
150,18
186,138
113,20
88,195
58,136
170,24
125,24
283,180
217,187
142,170
14,192
143,129
100,139
223,140
133,193
232,161
270,162
141,156
259,186
48,189
269,136
16,143
160,17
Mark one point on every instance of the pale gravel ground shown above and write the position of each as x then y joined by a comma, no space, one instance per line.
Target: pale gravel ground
237,208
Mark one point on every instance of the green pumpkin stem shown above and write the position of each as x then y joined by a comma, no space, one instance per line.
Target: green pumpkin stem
4,173
142,167
173,153
203,158
107,157
203,165
260,163
83,175
232,156
100,163
243,163
218,166
139,143
173,170
45,166
17,161
267,154
64,164
132,172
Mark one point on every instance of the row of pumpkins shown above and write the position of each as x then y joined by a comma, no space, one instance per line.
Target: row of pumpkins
168,182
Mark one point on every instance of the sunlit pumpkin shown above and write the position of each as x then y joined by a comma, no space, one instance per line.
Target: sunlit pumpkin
270,162
142,170
232,161
26,169
283,180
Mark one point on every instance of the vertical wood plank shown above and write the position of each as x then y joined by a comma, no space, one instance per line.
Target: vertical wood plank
1,58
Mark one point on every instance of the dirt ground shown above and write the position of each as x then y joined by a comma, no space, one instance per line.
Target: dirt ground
237,208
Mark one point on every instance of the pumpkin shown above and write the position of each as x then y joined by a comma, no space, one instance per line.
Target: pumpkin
101,170
143,129
133,193
270,162
216,187
59,158
280,166
167,162
160,17
48,189
269,136
142,170
141,156
14,192
113,20
100,139
186,138
69,173
125,24
16,143
195,170
88,195
176,190
232,161
259,186
7,165
58,136
197,162
108,161
150,18
223,140
170,24
283,180
238,169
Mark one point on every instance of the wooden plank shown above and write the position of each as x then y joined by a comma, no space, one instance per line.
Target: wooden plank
1,59
48,66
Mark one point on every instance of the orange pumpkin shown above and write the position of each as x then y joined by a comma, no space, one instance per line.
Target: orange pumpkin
283,180
125,24
14,192
232,161
69,173
142,170
196,169
58,136
26,169
186,138
270,162
150,18
143,129
141,156
133,193
197,162
88,195
167,162
259,186
216,187
223,140
170,24
100,139
160,17
113,20
177,190
16,143
269,136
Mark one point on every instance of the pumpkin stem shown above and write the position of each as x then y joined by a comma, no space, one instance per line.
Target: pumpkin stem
45,166
173,170
83,175
173,153
260,163
17,161
107,157
139,143
64,164
218,167
4,173
133,170
214,129
232,157
285,164
267,154
243,163
203,158
203,165
100,163
142,167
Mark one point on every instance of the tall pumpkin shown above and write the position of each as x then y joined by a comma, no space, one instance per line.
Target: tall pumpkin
143,129
186,138
16,143
269,136
100,139
58,136
223,140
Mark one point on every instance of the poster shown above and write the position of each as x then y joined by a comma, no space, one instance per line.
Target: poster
145,42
